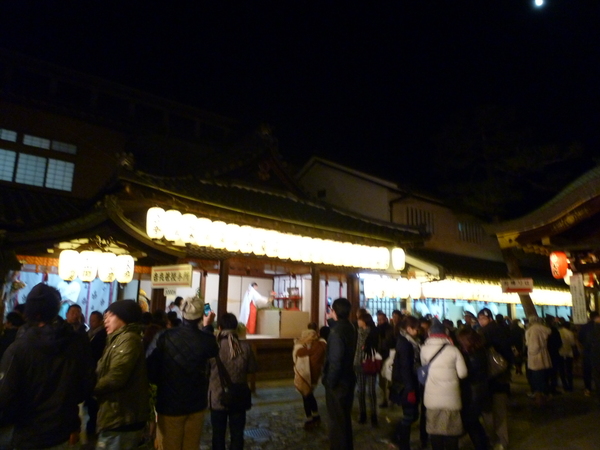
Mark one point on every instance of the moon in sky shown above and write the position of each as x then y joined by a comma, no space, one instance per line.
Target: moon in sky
539,3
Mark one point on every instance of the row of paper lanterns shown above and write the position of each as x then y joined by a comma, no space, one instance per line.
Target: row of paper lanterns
392,287
88,265
174,226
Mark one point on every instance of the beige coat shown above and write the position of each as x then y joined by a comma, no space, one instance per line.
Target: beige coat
536,338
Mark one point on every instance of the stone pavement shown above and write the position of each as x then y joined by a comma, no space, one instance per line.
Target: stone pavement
569,421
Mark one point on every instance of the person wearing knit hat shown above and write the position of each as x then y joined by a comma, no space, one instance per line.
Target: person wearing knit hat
122,389
44,374
437,327
178,368
42,304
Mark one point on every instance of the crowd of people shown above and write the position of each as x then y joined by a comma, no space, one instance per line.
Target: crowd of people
151,377
144,378
462,392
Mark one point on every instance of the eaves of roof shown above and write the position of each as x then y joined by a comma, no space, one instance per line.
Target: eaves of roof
280,206
458,266
581,191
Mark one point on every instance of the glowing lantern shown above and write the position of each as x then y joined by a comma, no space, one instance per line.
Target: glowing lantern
306,247
245,239
154,223
217,239
106,267
272,243
68,265
382,261
88,265
284,250
398,258
559,264
124,268
202,232
232,237
188,228
317,251
171,223
259,241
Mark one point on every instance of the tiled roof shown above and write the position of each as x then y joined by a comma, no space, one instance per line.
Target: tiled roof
281,206
23,209
482,269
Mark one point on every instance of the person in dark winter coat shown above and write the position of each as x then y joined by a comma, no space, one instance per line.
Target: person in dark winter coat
178,367
554,345
475,392
499,338
585,339
338,376
405,386
44,375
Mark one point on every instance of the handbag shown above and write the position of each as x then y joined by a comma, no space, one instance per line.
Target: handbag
423,371
372,362
235,397
497,364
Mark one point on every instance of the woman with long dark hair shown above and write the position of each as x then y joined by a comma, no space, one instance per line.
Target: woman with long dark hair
366,382
475,393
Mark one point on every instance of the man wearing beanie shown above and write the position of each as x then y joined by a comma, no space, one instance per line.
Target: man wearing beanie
44,375
122,389
178,366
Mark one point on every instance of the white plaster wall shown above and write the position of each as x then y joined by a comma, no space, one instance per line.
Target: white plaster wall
348,191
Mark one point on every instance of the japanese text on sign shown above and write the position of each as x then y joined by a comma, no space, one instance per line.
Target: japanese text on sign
172,276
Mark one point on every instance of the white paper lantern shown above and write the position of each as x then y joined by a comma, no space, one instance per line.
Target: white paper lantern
383,258
232,237
203,232
188,228
273,240
68,265
154,223
88,265
217,239
259,239
284,249
172,224
245,239
124,268
346,254
295,244
306,249
106,267
398,259
317,251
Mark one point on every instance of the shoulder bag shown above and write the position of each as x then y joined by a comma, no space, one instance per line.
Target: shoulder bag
371,363
497,364
235,397
423,371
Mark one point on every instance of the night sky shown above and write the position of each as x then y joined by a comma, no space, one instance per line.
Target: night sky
368,84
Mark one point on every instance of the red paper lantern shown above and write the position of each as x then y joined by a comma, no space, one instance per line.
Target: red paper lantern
559,263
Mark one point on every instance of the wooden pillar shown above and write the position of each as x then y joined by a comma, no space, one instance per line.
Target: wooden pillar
315,287
158,300
202,288
223,287
353,293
